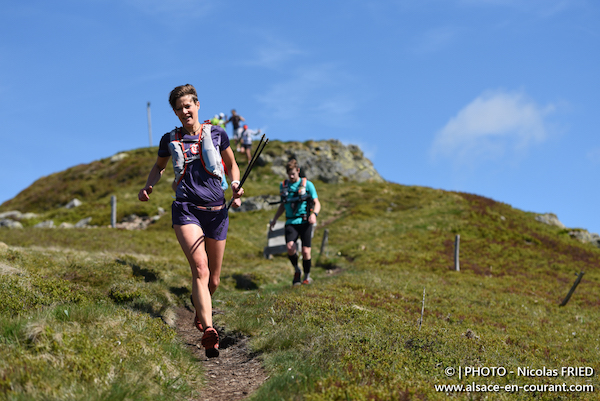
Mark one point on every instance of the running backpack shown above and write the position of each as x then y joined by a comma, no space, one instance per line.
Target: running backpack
297,198
185,151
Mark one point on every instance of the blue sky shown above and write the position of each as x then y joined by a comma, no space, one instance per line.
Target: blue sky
494,97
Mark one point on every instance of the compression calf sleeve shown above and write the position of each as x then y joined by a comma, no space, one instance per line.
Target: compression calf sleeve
306,264
294,259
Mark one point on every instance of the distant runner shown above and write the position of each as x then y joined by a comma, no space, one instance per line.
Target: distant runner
237,130
199,214
246,138
301,205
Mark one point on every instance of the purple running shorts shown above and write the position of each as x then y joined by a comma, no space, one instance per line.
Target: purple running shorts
214,223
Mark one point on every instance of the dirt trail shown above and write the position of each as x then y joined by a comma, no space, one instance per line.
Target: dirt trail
235,374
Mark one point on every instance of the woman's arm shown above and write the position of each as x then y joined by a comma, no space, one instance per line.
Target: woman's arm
153,177
234,174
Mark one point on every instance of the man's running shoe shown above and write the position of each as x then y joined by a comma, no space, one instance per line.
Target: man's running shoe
308,281
196,320
297,280
210,342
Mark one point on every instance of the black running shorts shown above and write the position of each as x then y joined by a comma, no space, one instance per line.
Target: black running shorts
302,231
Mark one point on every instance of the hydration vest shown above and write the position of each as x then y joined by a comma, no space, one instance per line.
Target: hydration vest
185,151
296,198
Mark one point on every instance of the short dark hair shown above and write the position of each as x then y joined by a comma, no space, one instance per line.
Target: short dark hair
181,91
292,165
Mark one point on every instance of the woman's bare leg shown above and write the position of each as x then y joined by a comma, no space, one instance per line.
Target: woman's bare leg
193,243
215,250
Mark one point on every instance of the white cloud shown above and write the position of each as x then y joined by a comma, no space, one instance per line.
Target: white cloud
303,90
273,53
436,39
490,2
493,125
170,10
593,155
315,93
542,8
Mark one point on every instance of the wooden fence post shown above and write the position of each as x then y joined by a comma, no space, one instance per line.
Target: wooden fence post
113,215
572,290
422,310
325,240
456,253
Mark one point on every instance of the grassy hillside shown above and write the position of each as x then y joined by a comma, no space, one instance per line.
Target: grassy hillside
84,306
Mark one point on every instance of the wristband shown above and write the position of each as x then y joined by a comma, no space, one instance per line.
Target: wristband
235,182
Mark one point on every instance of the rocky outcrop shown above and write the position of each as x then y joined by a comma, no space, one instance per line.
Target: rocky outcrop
585,236
12,218
576,233
10,223
550,219
45,224
74,203
135,222
119,157
262,202
131,222
328,161
16,215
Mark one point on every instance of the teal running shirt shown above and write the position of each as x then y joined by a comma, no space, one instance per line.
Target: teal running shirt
295,210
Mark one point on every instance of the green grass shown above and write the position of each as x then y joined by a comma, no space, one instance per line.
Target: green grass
353,335
92,351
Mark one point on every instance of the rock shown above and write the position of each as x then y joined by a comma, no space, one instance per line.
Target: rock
550,219
135,222
45,224
66,225
119,157
6,269
585,236
578,233
16,215
74,203
10,223
83,222
26,216
12,215
470,334
257,203
328,161
263,159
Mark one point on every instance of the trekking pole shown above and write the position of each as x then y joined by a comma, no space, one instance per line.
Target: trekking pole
259,150
253,160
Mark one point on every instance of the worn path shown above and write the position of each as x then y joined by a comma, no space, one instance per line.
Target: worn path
235,374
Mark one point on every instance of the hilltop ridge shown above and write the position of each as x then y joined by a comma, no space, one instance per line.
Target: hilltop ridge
49,201
121,175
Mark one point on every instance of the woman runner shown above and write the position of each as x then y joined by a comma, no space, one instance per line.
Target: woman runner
199,213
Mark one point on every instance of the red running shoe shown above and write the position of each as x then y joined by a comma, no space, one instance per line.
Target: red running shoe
210,342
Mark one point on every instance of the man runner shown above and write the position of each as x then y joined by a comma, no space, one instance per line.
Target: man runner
301,205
